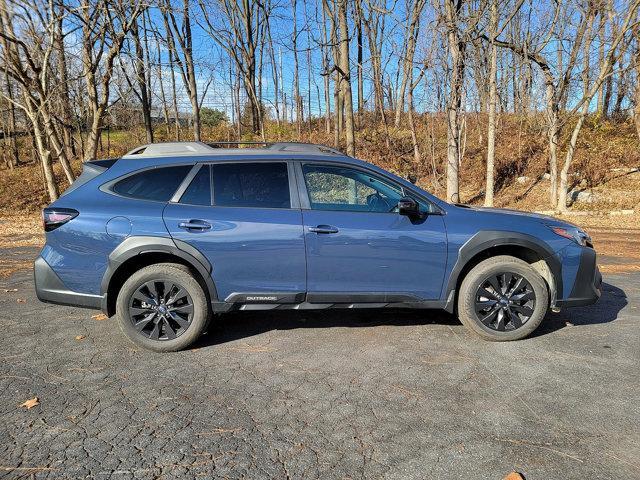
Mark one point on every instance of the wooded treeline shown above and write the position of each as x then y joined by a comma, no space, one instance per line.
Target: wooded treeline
72,67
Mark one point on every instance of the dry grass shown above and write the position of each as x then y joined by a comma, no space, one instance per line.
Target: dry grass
21,230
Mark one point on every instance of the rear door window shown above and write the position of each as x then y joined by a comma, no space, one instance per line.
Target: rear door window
199,190
158,184
259,185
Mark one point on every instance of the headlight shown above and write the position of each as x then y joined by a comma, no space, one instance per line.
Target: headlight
573,233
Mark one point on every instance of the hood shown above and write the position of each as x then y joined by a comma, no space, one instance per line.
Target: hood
509,212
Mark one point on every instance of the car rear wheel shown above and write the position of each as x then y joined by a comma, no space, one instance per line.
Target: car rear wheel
503,298
162,308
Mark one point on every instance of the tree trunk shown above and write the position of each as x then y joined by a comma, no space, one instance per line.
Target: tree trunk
141,79
454,104
636,93
44,153
296,77
411,34
65,101
491,131
191,73
553,132
359,39
564,173
14,159
417,157
346,79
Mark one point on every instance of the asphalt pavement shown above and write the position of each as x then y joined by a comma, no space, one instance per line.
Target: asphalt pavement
333,394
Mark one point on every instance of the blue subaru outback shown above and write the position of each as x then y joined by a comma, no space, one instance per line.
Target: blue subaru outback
170,234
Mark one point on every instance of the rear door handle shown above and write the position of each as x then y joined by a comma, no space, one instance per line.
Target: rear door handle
323,229
199,225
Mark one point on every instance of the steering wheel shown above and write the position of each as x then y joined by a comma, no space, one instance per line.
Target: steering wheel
377,203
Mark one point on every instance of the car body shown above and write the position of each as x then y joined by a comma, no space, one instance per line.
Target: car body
295,226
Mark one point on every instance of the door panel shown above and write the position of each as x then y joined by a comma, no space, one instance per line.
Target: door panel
357,244
250,250
375,253
250,235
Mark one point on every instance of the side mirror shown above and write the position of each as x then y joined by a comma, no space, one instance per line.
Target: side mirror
409,207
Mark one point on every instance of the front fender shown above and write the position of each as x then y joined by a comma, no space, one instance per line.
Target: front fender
487,239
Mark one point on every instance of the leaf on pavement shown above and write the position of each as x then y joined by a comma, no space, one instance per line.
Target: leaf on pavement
21,300
80,337
29,404
99,316
513,476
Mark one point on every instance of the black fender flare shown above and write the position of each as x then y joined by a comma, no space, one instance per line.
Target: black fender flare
138,245
486,239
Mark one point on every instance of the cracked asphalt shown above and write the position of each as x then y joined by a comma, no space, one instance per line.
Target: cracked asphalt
335,394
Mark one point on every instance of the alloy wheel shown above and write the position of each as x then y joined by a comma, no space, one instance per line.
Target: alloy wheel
505,301
161,310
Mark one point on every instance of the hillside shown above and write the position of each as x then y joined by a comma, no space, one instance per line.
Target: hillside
605,169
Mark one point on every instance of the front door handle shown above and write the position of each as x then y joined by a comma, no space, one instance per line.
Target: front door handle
323,229
199,225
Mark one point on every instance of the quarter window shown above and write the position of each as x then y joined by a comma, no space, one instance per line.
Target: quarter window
261,185
348,189
157,184
199,190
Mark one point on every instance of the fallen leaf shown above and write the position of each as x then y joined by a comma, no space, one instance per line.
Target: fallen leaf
80,337
99,317
21,300
8,290
513,476
29,404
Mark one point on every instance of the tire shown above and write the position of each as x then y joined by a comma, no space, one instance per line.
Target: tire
502,298
162,308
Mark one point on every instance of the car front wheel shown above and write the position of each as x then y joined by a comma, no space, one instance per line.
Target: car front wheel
162,308
503,298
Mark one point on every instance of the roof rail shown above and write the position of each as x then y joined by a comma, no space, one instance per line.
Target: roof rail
225,144
303,147
168,148
195,148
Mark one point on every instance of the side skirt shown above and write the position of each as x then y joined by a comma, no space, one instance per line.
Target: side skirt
300,301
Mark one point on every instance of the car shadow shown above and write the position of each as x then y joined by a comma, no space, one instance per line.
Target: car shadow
244,324
237,325
612,301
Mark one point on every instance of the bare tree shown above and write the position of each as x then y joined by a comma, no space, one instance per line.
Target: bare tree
636,94
28,61
557,78
415,8
589,91
297,99
105,26
345,71
239,36
179,30
493,99
456,45
143,81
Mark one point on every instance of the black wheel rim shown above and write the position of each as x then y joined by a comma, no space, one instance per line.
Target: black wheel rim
505,301
161,310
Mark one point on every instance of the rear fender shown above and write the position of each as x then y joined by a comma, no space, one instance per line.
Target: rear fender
138,245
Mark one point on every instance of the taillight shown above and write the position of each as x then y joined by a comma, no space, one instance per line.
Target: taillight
52,218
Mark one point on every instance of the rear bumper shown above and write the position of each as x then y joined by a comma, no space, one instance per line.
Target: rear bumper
586,289
50,289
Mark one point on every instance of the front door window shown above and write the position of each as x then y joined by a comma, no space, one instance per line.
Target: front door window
348,189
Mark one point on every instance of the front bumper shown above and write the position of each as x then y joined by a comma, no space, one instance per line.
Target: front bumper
50,289
587,286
